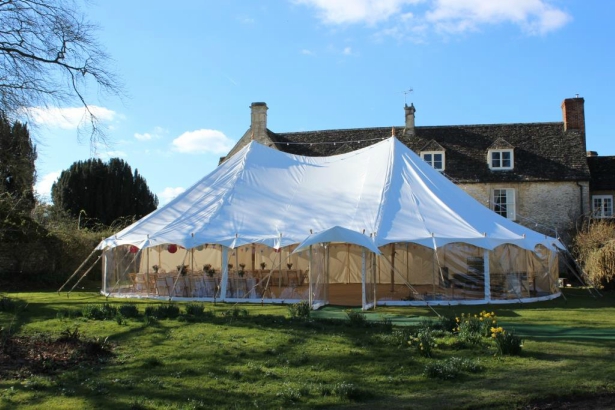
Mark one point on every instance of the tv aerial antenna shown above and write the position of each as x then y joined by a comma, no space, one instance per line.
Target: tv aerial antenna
406,92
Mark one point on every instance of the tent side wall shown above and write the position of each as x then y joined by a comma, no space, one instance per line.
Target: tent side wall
405,273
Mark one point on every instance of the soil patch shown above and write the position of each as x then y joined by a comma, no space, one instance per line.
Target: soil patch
24,356
602,401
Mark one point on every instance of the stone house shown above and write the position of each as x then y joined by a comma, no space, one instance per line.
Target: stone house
537,174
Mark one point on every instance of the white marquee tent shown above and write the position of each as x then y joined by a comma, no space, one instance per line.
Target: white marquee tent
379,218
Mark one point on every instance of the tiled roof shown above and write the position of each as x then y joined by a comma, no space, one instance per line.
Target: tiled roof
432,146
603,173
501,143
542,151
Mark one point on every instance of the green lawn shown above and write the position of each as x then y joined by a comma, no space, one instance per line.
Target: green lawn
261,358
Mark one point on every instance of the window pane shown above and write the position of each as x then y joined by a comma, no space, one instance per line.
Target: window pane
499,202
602,206
505,159
437,161
427,158
495,160
504,202
608,207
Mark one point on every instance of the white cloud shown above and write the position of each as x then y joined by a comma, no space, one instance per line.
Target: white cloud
347,51
307,52
68,118
158,132
203,141
168,194
532,16
356,11
43,185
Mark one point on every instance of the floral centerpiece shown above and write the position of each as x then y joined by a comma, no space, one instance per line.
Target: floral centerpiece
209,271
242,270
155,268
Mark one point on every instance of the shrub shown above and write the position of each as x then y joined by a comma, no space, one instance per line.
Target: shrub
442,370
166,311
356,319
448,323
195,309
401,336
451,368
594,246
472,328
99,312
149,320
129,310
423,342
235,313
507,342
301,310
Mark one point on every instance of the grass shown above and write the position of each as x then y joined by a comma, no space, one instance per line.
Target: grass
254,356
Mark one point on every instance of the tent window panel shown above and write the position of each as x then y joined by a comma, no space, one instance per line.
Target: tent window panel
602,206
504,202
434,158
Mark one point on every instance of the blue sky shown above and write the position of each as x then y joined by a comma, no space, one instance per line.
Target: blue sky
192,68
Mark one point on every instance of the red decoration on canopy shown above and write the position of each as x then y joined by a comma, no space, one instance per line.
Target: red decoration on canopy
172,248
133,249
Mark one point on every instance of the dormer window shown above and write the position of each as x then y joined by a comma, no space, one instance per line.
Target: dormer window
501,159
434,158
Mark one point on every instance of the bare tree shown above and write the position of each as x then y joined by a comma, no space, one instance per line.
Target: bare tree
48,57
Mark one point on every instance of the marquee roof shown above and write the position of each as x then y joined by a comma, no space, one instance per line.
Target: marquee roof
384,192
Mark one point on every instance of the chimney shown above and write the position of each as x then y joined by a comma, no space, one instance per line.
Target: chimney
573,111
409,130
592,153
258,124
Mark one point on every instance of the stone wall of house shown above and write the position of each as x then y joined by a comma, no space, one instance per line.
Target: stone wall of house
541,206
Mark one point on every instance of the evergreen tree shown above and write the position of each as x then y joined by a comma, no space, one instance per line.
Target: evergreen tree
104,191
17,170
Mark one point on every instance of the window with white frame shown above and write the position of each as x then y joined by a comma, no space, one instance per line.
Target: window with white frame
503,202
434,158
501,159
602,206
